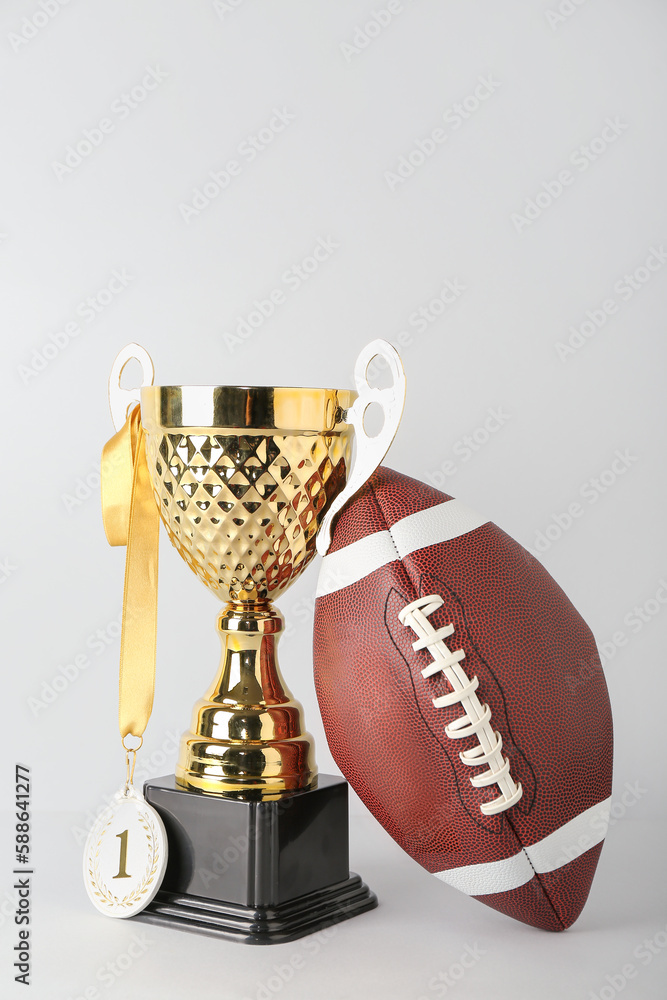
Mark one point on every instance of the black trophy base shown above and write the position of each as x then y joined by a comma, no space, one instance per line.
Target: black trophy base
261,872
262,924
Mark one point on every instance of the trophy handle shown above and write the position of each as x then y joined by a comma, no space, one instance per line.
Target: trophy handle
120,400
370,450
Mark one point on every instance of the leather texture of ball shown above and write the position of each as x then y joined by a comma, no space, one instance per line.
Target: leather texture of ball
463,699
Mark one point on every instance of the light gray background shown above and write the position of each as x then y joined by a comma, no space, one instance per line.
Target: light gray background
355,111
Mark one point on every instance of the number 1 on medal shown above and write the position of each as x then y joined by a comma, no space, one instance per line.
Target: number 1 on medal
122,873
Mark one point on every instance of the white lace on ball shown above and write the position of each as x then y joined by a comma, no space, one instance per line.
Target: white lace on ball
476,718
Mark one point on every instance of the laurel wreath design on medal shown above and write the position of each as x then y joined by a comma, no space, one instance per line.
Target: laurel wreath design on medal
97,883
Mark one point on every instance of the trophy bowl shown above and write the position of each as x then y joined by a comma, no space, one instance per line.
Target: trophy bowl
243,478
247,480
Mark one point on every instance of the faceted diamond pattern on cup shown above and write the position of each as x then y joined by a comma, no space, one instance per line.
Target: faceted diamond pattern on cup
243,510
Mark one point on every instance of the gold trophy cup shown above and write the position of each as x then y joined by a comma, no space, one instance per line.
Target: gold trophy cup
244,479
247,481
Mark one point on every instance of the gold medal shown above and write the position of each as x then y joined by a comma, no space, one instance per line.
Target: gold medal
126,853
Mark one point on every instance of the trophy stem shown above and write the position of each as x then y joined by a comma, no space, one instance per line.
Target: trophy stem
247,738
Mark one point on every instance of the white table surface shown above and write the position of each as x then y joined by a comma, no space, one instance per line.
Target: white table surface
403,949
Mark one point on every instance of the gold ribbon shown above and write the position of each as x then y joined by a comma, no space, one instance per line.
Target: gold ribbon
131,518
